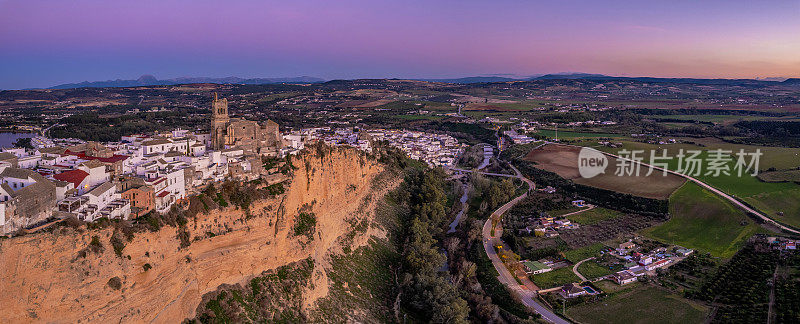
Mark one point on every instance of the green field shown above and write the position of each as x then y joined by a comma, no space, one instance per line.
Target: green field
780,158
771,198
593,216
584,253
418,117
555,278
722,118
591,270
774,203
701,220
565,134
646,304
609,287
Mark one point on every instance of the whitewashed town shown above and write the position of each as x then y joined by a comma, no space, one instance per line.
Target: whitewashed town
142,173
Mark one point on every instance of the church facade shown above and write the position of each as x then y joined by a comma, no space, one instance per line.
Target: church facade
248,135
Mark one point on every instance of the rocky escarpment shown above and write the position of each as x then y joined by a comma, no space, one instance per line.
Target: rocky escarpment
44,278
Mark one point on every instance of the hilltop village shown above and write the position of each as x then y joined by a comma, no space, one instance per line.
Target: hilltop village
143,173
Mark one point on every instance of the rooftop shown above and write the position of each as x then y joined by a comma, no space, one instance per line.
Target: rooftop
74,176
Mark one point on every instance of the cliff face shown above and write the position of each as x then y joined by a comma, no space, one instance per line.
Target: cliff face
43,278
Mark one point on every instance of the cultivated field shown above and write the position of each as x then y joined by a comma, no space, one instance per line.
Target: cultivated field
701,220
590,269
563,160
778,200
594,216
780,158
607,229
555,278
722,119
585,252
565,134
645,304
780,176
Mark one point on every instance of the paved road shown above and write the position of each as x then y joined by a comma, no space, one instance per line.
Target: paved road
575,269
526,296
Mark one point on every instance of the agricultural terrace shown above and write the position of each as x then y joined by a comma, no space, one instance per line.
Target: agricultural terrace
701,220
563,160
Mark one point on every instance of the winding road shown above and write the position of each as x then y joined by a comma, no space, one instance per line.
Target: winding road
580,211
489,241
575,269
492,238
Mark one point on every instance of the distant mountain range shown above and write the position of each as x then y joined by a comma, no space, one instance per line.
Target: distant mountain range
602,77
475,79
793,81
149,80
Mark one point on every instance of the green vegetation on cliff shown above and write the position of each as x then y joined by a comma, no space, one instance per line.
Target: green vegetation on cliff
274,296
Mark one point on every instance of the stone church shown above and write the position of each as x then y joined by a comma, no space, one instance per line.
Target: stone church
248,135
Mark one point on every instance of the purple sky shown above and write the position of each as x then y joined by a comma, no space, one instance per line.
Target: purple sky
43,43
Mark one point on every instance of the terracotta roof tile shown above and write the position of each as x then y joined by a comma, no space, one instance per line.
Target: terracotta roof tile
74,176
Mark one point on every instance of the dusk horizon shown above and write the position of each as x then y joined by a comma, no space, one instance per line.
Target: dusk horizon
514,77
378,161
49,43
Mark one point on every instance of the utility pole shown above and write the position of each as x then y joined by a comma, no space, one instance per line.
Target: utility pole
556,132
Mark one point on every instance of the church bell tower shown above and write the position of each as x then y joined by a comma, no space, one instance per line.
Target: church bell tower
219,121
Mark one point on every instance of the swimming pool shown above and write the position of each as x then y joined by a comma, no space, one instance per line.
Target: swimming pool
589,290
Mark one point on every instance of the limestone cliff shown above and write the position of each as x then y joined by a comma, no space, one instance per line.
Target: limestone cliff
44,280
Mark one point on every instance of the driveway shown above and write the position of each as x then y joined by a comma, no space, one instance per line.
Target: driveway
575,269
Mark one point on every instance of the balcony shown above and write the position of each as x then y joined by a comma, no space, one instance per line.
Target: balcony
72,204
119,208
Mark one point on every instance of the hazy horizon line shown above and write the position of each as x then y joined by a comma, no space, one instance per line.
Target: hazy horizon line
502,75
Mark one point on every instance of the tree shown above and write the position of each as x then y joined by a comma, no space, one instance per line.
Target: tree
23,142
425,290
421,256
